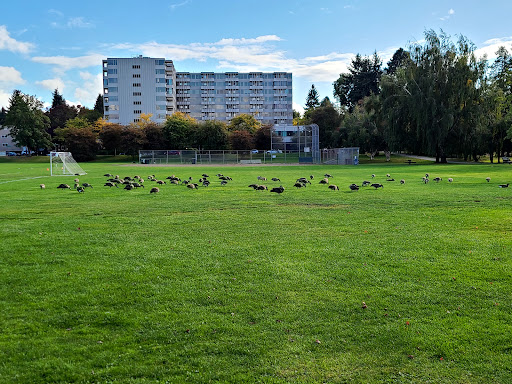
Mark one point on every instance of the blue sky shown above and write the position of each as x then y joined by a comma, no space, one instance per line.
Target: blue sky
54,44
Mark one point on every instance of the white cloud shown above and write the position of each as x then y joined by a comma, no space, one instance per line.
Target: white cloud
10,76
330,56
79,22
52,84
73,22
65,63
229,54
243,41
490,47
4,99
450,13
252,54
92,86
13,45
55,12
172,7
299,108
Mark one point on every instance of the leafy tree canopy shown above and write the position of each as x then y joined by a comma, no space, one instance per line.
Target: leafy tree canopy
178,130
28,122
244,122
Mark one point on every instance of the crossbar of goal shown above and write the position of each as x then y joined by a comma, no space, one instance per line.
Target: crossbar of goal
63,164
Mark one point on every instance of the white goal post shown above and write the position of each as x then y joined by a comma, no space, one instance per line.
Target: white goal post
63,164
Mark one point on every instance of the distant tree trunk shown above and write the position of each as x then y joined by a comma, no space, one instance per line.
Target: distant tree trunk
440,155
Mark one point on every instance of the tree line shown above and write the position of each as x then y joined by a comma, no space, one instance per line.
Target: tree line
436,98
85,133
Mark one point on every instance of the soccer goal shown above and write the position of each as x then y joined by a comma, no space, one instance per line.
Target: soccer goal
62,164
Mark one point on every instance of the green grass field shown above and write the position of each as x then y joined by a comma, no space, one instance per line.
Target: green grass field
226,284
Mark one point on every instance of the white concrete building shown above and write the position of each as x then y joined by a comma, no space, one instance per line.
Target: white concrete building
6,143
151,85
138,85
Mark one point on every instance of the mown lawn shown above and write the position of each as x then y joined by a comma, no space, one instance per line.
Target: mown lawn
226,284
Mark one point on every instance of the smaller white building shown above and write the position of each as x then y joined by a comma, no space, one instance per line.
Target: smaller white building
7,145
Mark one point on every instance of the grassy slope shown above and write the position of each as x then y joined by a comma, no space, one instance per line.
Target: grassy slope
228,284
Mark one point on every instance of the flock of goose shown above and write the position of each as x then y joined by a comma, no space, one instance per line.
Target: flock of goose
130,183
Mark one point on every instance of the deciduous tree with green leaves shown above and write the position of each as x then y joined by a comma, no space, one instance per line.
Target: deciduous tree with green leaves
79,137
178,131
110,137
244,122
211,134
133,140
437,97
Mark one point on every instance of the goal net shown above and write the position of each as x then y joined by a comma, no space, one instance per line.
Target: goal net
62,163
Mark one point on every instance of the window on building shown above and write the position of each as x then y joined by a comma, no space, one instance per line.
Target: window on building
137,112
112,80
136,120
136,84
137,102
112,89
159,62
113,98
112,62
112,71
160,71
160,98
137,93
160,89
105,90
136,75
136,66
160,80
105,73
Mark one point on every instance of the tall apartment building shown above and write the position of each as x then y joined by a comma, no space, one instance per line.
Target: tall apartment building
132,86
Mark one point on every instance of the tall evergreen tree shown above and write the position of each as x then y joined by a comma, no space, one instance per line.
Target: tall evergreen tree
312,98
98,105
3,113
400,59
362,80
27,122
57,99
60,112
